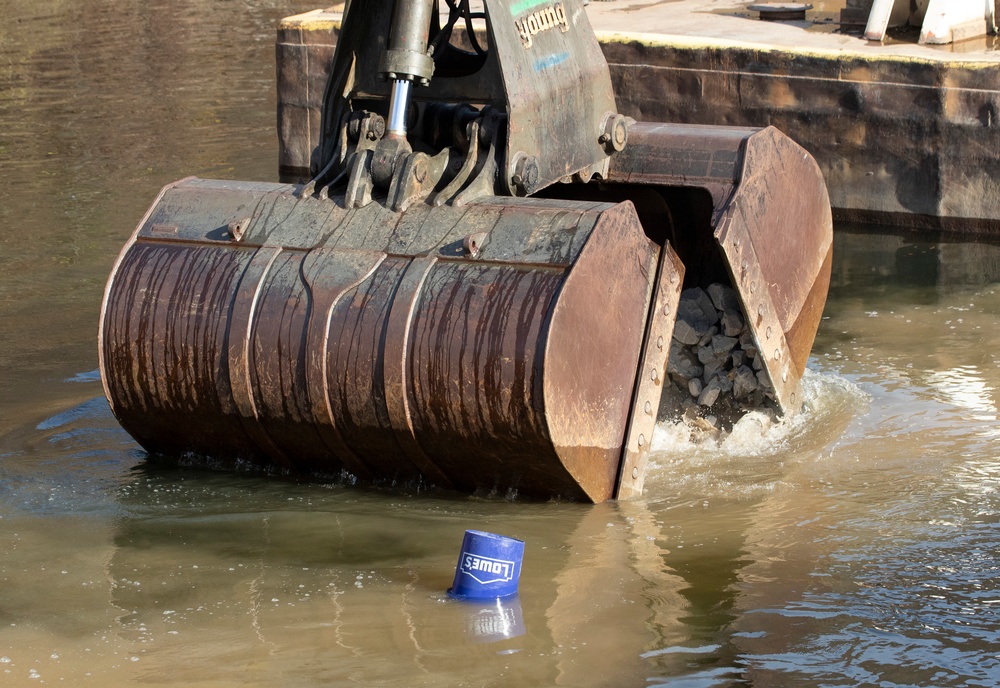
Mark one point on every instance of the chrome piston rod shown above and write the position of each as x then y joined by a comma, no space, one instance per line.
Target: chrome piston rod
406,59
399,99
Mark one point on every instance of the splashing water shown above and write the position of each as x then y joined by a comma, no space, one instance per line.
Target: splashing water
751,457
829,400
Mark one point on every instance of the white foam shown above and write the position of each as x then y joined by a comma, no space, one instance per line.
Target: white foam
828,398
691,465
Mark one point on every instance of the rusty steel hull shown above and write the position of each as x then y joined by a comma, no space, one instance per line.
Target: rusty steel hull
493,347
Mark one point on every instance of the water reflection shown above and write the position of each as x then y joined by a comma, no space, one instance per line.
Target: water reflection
490,622
224,569
965,388
872,257
238,565
790,554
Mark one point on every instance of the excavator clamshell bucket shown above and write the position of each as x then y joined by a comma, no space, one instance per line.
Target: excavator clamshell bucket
494,347
770,219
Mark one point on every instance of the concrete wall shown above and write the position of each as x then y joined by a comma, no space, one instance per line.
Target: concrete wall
900,141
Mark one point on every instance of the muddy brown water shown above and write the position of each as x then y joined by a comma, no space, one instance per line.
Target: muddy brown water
854,545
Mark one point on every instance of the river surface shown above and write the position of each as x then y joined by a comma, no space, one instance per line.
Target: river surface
856,544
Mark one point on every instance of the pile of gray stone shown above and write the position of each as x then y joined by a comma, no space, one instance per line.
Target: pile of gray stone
715,369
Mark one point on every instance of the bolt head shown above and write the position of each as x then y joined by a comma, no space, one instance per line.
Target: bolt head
620,134
615,134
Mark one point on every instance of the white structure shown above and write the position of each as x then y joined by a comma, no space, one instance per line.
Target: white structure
941,21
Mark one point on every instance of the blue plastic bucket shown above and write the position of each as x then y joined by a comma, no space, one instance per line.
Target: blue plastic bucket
489,566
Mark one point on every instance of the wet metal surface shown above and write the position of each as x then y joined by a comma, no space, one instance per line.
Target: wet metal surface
348,333
855,546
370,342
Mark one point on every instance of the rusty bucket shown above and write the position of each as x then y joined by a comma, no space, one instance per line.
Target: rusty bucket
478,285
489,347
